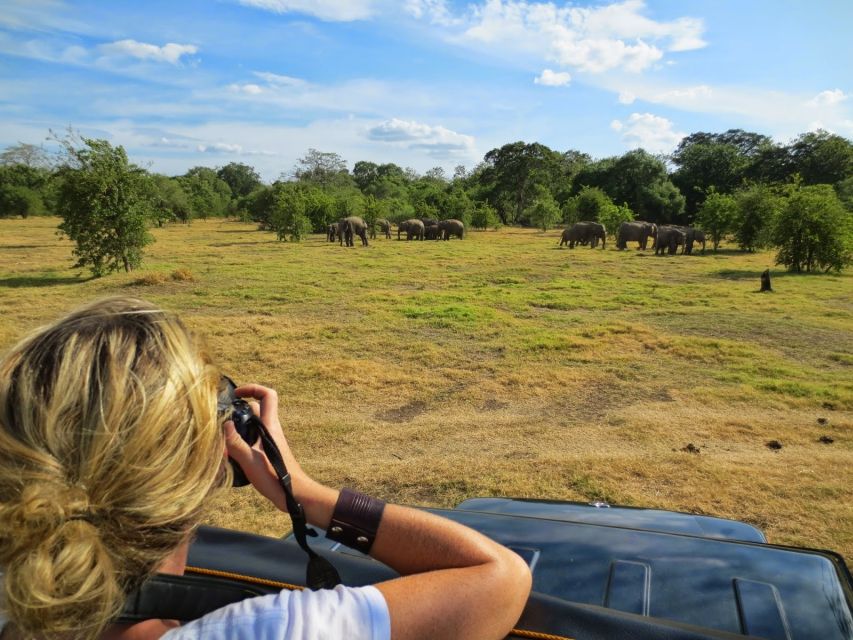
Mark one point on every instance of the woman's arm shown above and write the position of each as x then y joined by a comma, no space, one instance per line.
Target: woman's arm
456,582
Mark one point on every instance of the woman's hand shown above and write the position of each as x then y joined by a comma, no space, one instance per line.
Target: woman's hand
252,459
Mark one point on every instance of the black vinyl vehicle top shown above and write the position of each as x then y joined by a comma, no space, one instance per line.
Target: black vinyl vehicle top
735,586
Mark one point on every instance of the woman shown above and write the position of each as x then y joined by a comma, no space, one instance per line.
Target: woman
110,449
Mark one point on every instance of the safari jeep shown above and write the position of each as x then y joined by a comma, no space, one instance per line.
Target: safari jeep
599,572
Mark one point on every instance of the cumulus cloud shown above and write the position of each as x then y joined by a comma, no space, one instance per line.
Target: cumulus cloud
551,78
250,89
626,97
828,98
169,52
589,39
436,11
328,10
650,132
435,140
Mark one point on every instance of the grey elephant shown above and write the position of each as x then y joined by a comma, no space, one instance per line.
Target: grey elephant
692,236
637,231
350,227
432,232
669,239
383,225
428,221
451,227
412,228
584,233
332,232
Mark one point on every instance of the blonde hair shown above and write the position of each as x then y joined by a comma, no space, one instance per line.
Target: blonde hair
109,450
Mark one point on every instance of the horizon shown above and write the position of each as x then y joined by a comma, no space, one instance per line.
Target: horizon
421,83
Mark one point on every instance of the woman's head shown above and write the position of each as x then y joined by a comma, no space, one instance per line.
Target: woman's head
109,449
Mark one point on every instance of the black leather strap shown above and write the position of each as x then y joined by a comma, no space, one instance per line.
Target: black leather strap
320,574
355,520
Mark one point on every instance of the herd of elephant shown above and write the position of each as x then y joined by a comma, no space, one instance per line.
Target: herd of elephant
665,238
346,229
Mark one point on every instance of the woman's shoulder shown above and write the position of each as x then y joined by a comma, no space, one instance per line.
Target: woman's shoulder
351,612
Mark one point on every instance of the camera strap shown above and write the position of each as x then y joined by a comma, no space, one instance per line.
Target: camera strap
320,574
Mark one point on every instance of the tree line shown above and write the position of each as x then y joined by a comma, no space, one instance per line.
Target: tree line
736,183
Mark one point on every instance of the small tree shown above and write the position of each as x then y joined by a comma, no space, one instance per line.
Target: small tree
586,205
717,215
757,207
543,210
105,205
484,216
612,216
813,230
288,215
19,201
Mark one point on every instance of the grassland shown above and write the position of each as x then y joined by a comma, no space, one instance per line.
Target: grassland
430,372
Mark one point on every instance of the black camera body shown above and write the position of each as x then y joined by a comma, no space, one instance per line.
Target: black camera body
245,421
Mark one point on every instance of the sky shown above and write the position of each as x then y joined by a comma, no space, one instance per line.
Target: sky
421,83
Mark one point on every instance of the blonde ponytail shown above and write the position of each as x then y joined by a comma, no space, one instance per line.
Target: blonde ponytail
109,450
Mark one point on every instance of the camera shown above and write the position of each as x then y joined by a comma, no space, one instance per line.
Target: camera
230,407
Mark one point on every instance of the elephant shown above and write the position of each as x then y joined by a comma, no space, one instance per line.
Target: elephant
668,239
584,233
332,232
413,229
428,221
432,232
638,231
693,235
352,226
451,227
383,225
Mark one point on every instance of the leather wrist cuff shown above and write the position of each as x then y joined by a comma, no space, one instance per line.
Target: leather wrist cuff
355,520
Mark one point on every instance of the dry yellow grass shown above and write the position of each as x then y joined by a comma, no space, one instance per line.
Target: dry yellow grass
427,373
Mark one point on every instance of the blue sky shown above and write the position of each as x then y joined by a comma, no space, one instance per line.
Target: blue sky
422,83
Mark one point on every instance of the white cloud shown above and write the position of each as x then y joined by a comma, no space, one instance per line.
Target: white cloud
551,78
650,132
828,98
435,140
593,40
220,147
169,52
280,80
251,89
436,11
626,97
328,10
687,93
779,113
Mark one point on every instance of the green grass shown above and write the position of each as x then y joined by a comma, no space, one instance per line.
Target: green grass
436,371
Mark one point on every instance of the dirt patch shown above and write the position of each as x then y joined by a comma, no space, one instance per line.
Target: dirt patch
405,413
494,405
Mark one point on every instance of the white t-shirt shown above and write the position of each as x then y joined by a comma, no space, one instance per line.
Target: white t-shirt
353,613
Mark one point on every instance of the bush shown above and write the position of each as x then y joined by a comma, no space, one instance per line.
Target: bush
543,212
717,215
19,201
105,205
288,217
757,207
612,216
484,216
813,230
